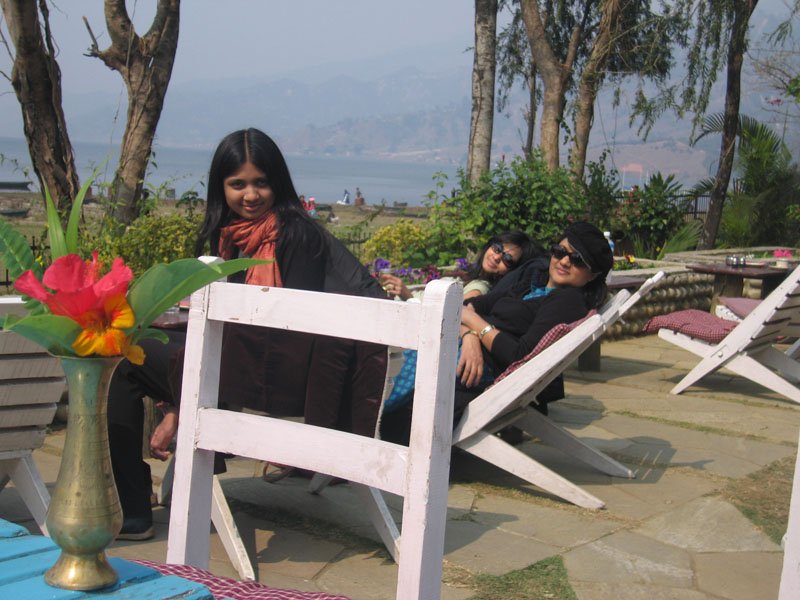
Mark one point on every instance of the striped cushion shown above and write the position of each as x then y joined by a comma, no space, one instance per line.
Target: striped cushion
227,588
694,323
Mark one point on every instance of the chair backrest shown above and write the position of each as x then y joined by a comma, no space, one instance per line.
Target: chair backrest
31,383
777,315
419,472
533,373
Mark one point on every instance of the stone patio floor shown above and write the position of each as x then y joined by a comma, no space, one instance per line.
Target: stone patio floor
667,534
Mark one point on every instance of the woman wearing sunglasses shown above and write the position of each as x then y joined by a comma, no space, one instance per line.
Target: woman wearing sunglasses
501,254
500,328
504,325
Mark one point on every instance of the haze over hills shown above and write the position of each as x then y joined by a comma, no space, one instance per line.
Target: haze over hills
389,110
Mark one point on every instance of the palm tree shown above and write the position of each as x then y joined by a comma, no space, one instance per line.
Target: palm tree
766,188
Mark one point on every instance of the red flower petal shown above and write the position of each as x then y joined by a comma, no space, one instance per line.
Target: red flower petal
66,274
30,286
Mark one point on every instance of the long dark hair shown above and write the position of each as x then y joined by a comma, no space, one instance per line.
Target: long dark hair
529,248
595,292
236,149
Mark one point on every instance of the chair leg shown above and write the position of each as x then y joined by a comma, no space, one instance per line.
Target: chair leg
165,490
538,425
319,482
494,450
755,371
381,518
222,518
31,488
780,361
703,368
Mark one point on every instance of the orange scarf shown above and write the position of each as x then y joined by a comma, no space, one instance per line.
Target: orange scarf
256,239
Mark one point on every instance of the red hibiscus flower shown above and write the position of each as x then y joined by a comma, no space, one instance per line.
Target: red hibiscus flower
97,304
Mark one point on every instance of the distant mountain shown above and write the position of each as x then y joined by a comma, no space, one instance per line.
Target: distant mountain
391,111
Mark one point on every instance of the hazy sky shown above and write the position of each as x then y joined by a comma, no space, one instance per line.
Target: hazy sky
264,38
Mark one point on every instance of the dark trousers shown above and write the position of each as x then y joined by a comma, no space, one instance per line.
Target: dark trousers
129,385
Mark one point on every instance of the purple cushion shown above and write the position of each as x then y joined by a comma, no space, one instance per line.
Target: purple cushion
225,587
694,323
741,307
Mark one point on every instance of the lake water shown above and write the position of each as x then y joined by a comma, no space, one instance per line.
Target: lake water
325,178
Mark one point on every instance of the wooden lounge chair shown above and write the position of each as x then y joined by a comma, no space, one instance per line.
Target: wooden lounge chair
747,348
507,402
31,383
419,472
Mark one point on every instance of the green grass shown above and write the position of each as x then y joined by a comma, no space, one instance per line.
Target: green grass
763,497
545,580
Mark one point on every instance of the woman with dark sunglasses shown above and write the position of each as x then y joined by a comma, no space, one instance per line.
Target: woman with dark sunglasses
501,254
504,325
500,328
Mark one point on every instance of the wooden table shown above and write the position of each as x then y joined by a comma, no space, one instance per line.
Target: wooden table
729,281
24,558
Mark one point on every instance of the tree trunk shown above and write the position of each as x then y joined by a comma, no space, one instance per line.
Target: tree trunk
555,76
530,117
483,75
145,64
36,79
591,79
738,46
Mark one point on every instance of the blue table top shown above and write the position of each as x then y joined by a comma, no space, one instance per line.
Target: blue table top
24,558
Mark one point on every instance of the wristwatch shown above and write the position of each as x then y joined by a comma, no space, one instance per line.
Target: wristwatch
485,330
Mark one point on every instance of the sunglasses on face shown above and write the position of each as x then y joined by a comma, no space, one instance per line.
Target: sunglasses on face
559,252
507,258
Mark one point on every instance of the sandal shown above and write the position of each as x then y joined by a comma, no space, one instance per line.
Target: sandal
279,472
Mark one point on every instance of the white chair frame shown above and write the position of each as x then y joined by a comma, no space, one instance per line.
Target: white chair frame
418,473
507,403
749,350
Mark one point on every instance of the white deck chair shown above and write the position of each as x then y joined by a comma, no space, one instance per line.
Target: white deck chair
790,575
507,402
31,382
749,349
418,473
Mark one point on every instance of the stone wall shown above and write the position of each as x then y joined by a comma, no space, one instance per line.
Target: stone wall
679,290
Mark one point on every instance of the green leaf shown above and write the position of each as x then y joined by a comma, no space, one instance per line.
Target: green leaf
163,285
71,241
55,233
15,251
153,333
53,332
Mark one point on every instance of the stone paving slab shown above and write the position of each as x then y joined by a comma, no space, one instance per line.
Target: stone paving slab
739,575
627,557
485,549
778,423
707,525
663,444
634,591
566,527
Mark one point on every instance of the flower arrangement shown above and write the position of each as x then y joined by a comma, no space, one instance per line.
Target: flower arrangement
76,309
782,253
414,276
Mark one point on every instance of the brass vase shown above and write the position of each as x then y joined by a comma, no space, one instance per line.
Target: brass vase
85,514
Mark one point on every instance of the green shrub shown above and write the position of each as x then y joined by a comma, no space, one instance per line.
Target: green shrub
602,192
403,243
521,194
149,240
652,215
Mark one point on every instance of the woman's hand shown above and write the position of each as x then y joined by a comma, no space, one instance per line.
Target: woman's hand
470,364
164,433
394,286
